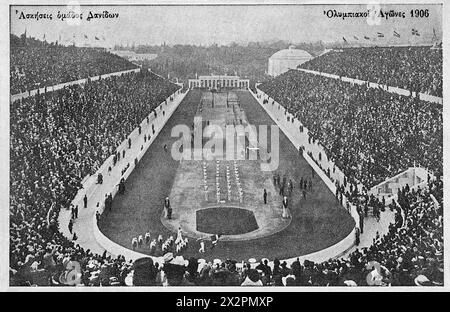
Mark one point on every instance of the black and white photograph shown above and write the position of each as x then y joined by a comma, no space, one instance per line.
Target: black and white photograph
255,146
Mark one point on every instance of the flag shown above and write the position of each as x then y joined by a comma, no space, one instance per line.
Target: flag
380,35
96,38
344,39
85,36
434,35
367,38
415,32
396,34
355,37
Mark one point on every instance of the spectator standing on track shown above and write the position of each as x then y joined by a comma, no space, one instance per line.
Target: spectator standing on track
282,190
121,190
179,236
286,212
357,236
70,226
167,208
99,178
361,222
214,240
202,247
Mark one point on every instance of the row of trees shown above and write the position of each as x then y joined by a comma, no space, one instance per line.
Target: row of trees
185,61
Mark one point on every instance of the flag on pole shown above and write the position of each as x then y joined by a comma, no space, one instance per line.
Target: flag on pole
434,35
85,36
344,39
96,38
396,34
415,32
380,35
367,38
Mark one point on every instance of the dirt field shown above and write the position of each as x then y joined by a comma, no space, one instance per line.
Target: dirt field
318,222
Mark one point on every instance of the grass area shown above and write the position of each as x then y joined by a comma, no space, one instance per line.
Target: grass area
318,221
225,221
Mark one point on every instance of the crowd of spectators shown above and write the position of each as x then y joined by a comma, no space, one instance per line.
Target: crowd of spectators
57,139
417,69
36,64
410,254
369,133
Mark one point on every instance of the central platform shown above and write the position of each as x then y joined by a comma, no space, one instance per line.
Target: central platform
188,198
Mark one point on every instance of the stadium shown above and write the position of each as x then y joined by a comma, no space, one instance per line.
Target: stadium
325,172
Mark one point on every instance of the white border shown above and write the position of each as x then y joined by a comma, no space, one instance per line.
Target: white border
4,148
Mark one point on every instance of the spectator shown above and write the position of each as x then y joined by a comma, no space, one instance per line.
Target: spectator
369,133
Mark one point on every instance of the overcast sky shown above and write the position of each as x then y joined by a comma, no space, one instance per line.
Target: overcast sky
223,24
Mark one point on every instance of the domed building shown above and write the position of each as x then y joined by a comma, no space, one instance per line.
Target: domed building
286,59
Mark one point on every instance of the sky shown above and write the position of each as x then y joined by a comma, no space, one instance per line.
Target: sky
205,25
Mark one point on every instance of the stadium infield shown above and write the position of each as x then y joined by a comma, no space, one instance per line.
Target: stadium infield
318,222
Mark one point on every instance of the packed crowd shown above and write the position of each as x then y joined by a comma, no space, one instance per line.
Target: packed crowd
36,64
410,254
369,133
413,68
58,138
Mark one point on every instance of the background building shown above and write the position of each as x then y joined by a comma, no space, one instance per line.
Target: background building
286,59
